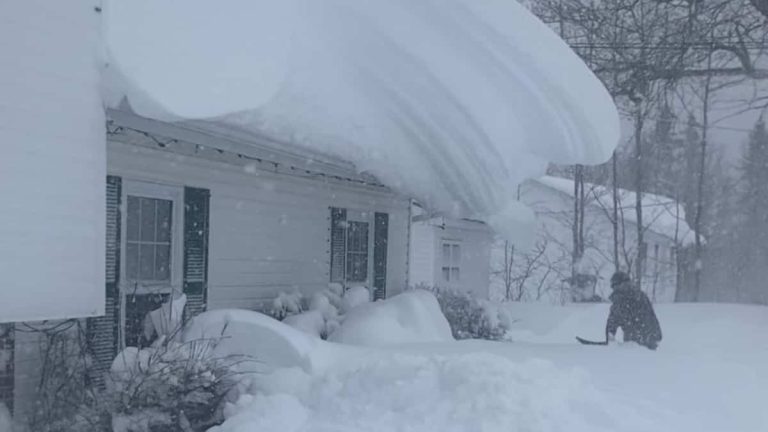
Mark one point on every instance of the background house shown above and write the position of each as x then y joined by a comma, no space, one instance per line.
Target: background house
543,272
450,253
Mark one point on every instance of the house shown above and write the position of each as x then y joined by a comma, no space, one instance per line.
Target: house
543,272
208,216
451,253
228,219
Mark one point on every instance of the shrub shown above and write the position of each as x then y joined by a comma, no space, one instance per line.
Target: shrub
469,317
287,304
170,387
321,313
64,401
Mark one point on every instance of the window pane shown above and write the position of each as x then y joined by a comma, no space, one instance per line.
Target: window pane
357,267
446,274
133,218
455,274
162,262
357,237
456,254
164,212
446,253
352,241
147,219
132,261
147,262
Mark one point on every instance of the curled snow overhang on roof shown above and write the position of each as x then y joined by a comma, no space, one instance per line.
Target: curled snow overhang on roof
453,102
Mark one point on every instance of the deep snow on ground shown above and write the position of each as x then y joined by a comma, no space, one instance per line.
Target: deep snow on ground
453,102
710,374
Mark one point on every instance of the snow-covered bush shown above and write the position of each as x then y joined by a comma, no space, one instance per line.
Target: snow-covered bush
469,317
286,304
169,387
320,313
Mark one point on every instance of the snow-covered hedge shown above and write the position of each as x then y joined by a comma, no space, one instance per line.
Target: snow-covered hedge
471,318
321,313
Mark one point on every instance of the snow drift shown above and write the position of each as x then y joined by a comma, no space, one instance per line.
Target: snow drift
708,375
269,342
410,317
451,101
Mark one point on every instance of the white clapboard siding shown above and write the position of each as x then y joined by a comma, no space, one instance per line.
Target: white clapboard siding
476,241
423,254
268,232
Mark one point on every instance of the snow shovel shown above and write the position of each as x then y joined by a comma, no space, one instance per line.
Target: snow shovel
589,342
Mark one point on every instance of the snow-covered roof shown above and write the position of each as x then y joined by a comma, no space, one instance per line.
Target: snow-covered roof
661,214
453,102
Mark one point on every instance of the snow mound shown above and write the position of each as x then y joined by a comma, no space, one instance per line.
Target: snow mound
354,297
455,393
709,376
311,322
410,317
322,303
453,102
268,341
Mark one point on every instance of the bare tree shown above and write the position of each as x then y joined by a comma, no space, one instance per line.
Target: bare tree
761,6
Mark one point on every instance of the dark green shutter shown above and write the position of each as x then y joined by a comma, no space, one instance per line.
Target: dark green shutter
380,236
338,243
102,332
7,346
196,227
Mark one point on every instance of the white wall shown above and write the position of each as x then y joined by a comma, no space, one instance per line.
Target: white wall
476,241
52,166
427,237
422,254
268,232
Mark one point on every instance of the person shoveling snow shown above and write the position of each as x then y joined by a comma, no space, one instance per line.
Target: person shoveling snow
632,311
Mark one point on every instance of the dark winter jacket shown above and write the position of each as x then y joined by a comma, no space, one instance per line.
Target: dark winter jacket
632,311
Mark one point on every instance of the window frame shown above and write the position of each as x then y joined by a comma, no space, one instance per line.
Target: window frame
452,264
367,217
175,194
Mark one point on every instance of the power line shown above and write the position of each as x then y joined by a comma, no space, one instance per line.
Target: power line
694,125
682,46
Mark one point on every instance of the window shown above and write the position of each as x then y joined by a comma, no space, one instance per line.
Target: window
357,251
358,248
151,254
451,268
148,239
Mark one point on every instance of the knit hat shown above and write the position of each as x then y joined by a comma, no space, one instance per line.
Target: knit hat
619,278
